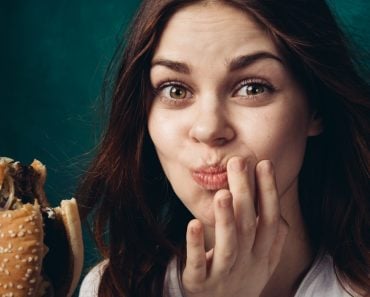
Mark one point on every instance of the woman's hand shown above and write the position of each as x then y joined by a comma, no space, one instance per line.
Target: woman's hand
247,245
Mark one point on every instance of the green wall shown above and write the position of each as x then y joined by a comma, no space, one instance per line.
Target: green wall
53,57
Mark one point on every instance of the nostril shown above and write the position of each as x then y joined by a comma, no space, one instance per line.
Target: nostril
220,141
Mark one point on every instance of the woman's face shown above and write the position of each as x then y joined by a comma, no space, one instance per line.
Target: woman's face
223,90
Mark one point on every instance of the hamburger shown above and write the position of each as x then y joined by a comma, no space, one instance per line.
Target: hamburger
41,248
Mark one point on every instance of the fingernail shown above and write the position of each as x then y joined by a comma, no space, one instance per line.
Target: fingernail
237,164
268,166
195,230
224,202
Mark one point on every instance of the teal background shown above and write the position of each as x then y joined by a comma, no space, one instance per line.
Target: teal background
53,56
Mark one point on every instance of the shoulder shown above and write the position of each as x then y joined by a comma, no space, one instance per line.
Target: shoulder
90,284
172,284
322,280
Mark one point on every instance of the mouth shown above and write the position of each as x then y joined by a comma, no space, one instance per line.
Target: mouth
211,178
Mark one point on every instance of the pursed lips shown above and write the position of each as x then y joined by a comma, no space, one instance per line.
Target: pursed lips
211,177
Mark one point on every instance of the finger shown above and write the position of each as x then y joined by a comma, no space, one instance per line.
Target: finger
241,183
269,209
225,249
195,268
278,244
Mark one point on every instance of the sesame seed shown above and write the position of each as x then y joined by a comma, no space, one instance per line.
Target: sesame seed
5,260
9,246
29,270
20,287
20,226
36,258
9,215
4,215
17,257
29,259
17,266
10,285
34,251
20,248
29,232
5,286
2,235
6,271
37,244
32,281
20,234
37,230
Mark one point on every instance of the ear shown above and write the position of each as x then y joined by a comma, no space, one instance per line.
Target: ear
316,126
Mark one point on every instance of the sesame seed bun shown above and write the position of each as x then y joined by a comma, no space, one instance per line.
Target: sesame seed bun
41,248
21,251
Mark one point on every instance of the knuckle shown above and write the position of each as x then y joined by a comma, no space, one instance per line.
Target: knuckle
272,221
227,221
229,256
196,263
192,286
269,188
249,226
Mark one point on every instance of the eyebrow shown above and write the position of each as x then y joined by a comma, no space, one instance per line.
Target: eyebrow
246,60
173,65
234,65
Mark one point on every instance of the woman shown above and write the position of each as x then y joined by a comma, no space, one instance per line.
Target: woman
236,157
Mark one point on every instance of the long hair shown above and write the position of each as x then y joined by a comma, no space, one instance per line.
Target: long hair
138,222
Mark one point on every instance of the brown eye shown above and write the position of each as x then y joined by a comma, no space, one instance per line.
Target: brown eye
177,92
174,93
254,89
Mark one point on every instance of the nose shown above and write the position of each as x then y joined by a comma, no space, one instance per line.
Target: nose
211,125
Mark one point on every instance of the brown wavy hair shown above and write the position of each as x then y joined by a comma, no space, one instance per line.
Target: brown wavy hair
138,222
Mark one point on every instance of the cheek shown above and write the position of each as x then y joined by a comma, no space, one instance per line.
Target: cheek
166,134
163,130
283,143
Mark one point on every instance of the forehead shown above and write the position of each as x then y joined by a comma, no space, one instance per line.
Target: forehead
213,28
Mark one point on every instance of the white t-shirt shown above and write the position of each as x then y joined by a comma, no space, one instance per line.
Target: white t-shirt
320,281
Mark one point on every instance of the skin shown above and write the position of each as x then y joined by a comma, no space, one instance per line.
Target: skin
253,119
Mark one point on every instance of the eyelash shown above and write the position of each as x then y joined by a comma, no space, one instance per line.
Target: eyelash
171,83
176,83
254,81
